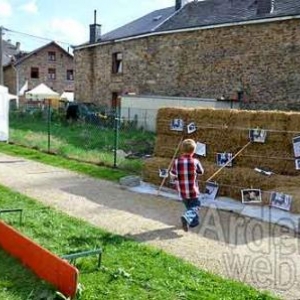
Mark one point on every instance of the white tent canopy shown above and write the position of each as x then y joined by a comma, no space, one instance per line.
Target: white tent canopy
41,92
69,96
12,97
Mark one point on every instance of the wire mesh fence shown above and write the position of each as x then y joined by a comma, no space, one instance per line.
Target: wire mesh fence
117,138
102,138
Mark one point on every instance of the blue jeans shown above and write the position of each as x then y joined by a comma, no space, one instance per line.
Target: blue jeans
192,209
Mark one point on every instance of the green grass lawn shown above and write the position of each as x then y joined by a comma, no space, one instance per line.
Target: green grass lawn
82,141
113,174
129,270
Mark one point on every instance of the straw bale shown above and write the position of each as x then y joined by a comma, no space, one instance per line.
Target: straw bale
151,169
166,145
272,120
166,115
208,117
232,118
268,120
233,180
231,134
273,156
293,123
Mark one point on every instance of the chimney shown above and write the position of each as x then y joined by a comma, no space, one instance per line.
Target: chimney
18,46
265,6
178,4
95,30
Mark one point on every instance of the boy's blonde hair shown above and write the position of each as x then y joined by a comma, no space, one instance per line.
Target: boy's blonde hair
188,146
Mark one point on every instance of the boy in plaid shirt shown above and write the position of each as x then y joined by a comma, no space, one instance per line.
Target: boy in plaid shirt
184,171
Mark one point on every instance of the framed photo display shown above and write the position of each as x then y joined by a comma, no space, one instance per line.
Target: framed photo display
257,135
224,159
191,128
251,196
297,163
163,173
200,149
211,191
281,200
177,125
296,146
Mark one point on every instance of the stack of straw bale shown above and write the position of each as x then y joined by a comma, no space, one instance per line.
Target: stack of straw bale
228,131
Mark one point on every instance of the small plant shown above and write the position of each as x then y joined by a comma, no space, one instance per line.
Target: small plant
60,296
120,273
56,295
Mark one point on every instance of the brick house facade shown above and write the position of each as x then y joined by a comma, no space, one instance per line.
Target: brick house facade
50,64
259,57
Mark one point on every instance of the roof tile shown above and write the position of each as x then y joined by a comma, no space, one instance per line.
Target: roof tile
202,13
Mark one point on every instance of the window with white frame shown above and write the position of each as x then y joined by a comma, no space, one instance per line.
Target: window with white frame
51,74
51,56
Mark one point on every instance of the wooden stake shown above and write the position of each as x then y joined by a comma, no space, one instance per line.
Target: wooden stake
170,165
228,162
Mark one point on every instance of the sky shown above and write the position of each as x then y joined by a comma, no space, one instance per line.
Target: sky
67,21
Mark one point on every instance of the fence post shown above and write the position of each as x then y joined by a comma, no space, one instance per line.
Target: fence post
145,120
49,124
116,130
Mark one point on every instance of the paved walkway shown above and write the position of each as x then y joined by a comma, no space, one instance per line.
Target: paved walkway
263,255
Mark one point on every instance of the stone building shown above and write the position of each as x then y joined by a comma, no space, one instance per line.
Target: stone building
50,64
248,50
11,52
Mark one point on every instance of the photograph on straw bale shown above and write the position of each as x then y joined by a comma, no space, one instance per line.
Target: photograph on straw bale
239,150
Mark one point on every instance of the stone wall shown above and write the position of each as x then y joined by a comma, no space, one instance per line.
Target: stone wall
261,59
10,79
83,62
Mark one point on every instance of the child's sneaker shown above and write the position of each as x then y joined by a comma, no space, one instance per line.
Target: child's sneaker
185,224
194,224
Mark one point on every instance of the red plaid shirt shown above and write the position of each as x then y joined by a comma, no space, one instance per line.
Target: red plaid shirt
185,169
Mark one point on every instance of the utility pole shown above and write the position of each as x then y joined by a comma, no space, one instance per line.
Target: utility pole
17,83
1,56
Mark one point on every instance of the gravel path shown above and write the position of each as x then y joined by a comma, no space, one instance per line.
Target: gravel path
263,255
